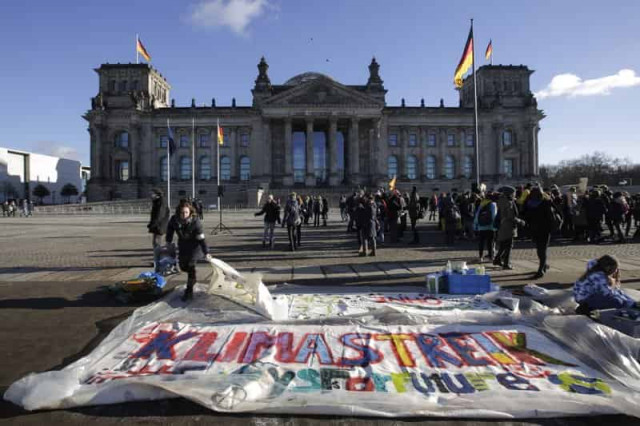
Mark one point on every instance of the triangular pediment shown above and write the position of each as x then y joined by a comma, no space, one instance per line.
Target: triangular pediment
321,91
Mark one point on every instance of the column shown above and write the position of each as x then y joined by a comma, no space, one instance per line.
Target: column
442,152
288,160
333,152
233,153
268,148
499,154
93,135
310,178
354,152
422,141
402,161
461,153
383,154
134,143
372,151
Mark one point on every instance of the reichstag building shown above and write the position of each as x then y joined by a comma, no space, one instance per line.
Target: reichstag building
311,133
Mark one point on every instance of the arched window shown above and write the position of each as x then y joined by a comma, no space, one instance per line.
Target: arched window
185,141
185,168
412,167
225,168
507,137
163,169
164,140
431,167
450,167
122,140
205,168
245,168
392,166
470,139
467,166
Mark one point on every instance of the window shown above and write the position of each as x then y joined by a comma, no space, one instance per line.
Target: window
431,167
451,139
506,138
299,156
122,170
164,140
413,139
185,168
467,167
412,166
392,166
244,139
245,168
431,141
393,139
112,86
470,139
508,167
449,167
122,140
122,87
163,169
225,168
134,85
184,141
204,140
205,168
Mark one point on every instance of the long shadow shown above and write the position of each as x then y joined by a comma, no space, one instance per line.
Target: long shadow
28,269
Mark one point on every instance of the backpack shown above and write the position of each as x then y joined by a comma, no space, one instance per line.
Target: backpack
484,216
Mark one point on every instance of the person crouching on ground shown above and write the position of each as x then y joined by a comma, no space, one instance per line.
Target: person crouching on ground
271,212
191,242
599,287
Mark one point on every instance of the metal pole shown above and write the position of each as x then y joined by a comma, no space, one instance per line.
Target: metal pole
137,54
218,165
168,170
193,158
475,107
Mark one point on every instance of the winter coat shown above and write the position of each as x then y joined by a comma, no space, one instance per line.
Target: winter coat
414,206
159,217
596,209
617,210
366,219
325,206
394,208
191,243
539,216
271,212
508,219
292,213
493,208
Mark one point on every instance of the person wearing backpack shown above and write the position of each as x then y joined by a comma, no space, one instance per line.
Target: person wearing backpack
507,223
484,225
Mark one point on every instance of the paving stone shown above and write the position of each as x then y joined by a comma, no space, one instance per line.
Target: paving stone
367,270
339,272
394,270
307,273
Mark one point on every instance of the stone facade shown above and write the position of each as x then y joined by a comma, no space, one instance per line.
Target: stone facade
310,132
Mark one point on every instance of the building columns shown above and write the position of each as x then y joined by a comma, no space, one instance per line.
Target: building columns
310,178
354,152
288,160
334,179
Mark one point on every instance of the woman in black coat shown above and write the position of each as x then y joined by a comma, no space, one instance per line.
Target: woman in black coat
366,222
538,214
159,218
191,244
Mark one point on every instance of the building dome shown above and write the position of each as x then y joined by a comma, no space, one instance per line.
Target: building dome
304,77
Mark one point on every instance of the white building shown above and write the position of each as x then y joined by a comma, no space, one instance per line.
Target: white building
21,172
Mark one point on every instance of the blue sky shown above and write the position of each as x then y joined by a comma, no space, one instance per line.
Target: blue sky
586,57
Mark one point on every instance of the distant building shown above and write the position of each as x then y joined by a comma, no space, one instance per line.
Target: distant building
311,132
21,172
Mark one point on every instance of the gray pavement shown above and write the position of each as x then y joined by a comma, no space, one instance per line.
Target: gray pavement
53,309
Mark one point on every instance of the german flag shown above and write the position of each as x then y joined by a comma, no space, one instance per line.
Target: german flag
220,136
141,50
489,51
465,62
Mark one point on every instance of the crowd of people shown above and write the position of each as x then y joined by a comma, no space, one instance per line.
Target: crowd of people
11,207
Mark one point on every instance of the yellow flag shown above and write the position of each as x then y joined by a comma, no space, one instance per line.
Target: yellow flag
392,184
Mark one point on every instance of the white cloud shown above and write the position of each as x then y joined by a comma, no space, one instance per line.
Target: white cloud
56,150
570,85
234,14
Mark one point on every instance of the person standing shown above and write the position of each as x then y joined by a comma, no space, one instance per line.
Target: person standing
484,225
415,211
191,243
325,210
394,209
538,214
507,227
343,207
449,216
271,212
366,222
317,209
292,220
157,225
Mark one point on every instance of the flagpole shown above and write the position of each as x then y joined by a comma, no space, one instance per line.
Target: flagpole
218,163
475,108
491,58
193,158
137,54
168,170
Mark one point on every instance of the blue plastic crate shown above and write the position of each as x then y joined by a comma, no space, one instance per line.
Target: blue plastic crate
468,283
